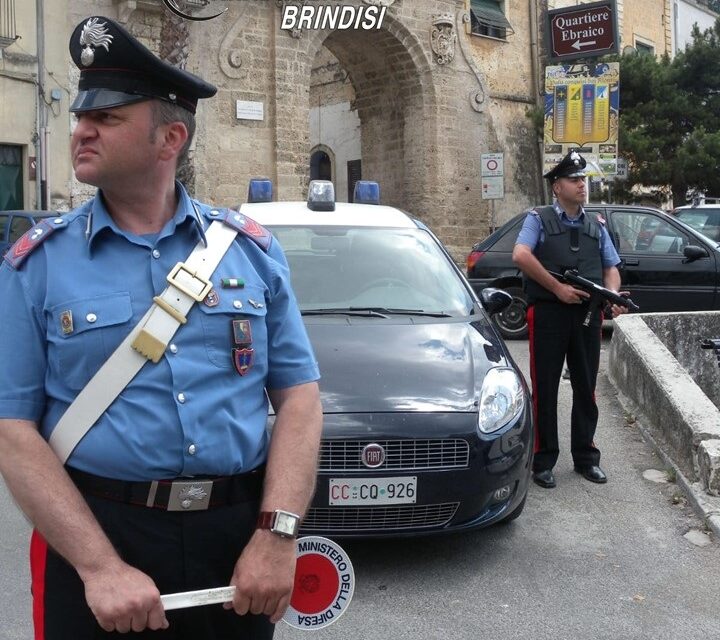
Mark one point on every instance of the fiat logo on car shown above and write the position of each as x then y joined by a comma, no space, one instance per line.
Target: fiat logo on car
373,455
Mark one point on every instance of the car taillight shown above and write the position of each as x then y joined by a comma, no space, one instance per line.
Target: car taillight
473,258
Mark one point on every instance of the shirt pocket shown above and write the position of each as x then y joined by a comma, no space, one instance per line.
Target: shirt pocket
251,333
82,335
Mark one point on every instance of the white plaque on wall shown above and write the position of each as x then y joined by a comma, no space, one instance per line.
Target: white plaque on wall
247,110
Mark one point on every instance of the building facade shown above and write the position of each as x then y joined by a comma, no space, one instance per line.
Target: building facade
413,103
34,93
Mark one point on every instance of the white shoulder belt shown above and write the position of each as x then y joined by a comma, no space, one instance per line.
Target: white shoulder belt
189,282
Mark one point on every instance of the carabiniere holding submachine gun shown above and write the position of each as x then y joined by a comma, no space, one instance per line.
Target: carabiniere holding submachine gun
599,295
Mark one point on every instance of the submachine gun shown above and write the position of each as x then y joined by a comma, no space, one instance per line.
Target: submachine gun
599,295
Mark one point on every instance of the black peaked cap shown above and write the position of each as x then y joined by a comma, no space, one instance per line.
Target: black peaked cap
116,69
571,166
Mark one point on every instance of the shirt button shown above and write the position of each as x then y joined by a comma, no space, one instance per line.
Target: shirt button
173,348
91,317
181,398
192,449
237,304
155,253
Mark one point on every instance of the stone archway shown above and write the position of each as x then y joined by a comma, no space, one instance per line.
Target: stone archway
394,96
403,101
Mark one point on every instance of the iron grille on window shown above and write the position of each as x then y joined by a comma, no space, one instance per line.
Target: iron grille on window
7,23
487,18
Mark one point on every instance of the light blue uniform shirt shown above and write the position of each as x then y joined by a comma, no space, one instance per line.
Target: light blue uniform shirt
532,234
190,414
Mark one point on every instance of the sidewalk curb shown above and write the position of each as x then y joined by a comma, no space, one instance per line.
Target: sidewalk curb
707,507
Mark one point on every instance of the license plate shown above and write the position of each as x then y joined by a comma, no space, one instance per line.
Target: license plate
370,491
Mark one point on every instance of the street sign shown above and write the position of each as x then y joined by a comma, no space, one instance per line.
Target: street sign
583,31
493,188
492,172
622,169
492,164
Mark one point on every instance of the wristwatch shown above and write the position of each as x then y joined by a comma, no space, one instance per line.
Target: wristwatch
281,523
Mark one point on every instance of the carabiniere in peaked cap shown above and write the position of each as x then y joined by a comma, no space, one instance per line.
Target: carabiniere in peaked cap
115,69
571,166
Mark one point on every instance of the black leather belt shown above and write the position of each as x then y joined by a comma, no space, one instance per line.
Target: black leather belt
181,494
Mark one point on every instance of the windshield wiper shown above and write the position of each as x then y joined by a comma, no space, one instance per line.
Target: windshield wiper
352,311
404,312
374,312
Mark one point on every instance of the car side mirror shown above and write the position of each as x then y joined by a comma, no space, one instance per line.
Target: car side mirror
495,300
692,253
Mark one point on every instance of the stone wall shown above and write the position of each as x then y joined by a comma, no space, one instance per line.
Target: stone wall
663,395
682,334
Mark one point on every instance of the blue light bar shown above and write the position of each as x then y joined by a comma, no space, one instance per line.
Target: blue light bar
260,190
321,195
366,192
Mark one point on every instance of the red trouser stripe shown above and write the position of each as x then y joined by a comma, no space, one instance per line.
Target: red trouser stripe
38,557
530,317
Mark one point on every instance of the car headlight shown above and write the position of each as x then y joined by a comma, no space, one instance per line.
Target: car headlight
501,399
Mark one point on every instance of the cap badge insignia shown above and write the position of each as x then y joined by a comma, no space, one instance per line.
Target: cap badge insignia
94,34
575,157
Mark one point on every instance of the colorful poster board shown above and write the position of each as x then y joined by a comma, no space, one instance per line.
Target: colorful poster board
582,103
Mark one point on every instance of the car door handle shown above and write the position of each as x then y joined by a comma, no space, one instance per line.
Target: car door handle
634,262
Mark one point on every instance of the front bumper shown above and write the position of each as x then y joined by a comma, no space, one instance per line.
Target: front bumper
465,479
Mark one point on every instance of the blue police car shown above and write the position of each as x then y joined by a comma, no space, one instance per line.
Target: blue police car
427,419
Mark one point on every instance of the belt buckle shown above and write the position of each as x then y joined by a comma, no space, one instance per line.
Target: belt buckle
189,495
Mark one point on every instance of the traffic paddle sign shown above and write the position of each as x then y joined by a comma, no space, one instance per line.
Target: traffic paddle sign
583,31
324,584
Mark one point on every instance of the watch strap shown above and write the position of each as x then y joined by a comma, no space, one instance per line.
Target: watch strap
265,520
268,520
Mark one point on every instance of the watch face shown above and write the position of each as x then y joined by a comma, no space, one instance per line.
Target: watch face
286,523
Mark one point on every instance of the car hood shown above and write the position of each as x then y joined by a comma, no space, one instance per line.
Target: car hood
387,366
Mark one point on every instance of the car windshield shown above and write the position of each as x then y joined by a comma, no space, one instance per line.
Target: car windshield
705,221
372,271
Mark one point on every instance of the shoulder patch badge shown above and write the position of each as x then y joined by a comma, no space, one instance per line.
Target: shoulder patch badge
31,240
247,226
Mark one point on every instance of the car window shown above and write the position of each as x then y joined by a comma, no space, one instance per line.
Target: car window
507,241
342,267
705,221
18,226
3,225
644,232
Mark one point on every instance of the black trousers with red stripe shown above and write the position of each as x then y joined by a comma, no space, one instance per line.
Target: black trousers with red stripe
179,551
557,333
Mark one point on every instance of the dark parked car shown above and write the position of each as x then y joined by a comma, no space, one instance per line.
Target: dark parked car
666,265
427,420
14,223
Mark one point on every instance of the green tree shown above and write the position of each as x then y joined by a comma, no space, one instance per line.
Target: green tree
670,118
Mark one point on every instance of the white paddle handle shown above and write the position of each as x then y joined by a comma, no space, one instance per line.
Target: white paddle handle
197,598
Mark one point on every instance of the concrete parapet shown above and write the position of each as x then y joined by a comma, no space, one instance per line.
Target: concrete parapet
709,465
674,408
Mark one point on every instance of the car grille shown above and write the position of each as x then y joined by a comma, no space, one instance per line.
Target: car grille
350,519
400,455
